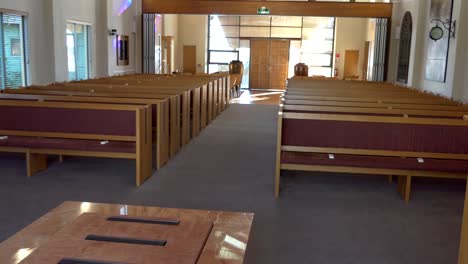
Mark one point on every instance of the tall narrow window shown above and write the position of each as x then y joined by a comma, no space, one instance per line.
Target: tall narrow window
13,51
78,51
405,48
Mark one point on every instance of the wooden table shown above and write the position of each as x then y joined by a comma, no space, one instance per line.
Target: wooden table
226,235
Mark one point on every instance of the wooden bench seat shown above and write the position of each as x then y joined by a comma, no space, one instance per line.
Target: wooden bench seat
355,104
160,114
180,107
380,145
217,87
174,107
369,111
375,99
68,144
77,129
189,104
459,168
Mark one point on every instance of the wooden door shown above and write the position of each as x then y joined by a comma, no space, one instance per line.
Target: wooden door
259,64
190,59
269,62
168,54
351,65
279,63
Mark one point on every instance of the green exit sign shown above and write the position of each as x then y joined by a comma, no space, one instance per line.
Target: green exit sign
263,10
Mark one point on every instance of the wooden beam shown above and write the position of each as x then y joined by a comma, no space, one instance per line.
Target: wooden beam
285,8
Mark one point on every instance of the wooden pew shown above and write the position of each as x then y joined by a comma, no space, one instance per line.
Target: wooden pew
190,102
39,129
221,83
174,104
375,99
388,105
187,122
160,115
217,91
396,112
397,131
363,144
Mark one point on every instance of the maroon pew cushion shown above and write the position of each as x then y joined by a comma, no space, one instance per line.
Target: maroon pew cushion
378,136
68,144
458,166
62,120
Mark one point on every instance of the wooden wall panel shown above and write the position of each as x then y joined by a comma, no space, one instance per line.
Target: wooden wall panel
287,8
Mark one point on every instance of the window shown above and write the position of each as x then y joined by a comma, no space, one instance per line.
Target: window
14,62
318,41
312,41
77,39
15,47
405,48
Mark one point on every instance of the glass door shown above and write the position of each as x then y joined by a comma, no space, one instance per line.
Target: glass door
77,51
13,59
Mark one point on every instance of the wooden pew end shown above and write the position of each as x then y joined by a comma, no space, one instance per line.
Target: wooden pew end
404,187
35,163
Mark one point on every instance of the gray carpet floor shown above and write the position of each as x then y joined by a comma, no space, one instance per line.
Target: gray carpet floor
320,218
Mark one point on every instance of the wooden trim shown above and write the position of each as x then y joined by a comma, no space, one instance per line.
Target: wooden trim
278,154
204,106
374,119
305,103
373,171
80,153
196,112
186,135
13,150
159,132
61,98
210,102
68,105
383,153
397,111
66,135
15,12
215,99
89,94
283,8
401,100
35,163
144,144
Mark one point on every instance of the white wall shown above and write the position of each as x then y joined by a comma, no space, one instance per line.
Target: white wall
47,34
193,30
101,40
65,11
456,85
126,24
460,82
40,37
351,34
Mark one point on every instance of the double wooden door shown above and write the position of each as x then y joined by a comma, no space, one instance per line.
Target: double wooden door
269,63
